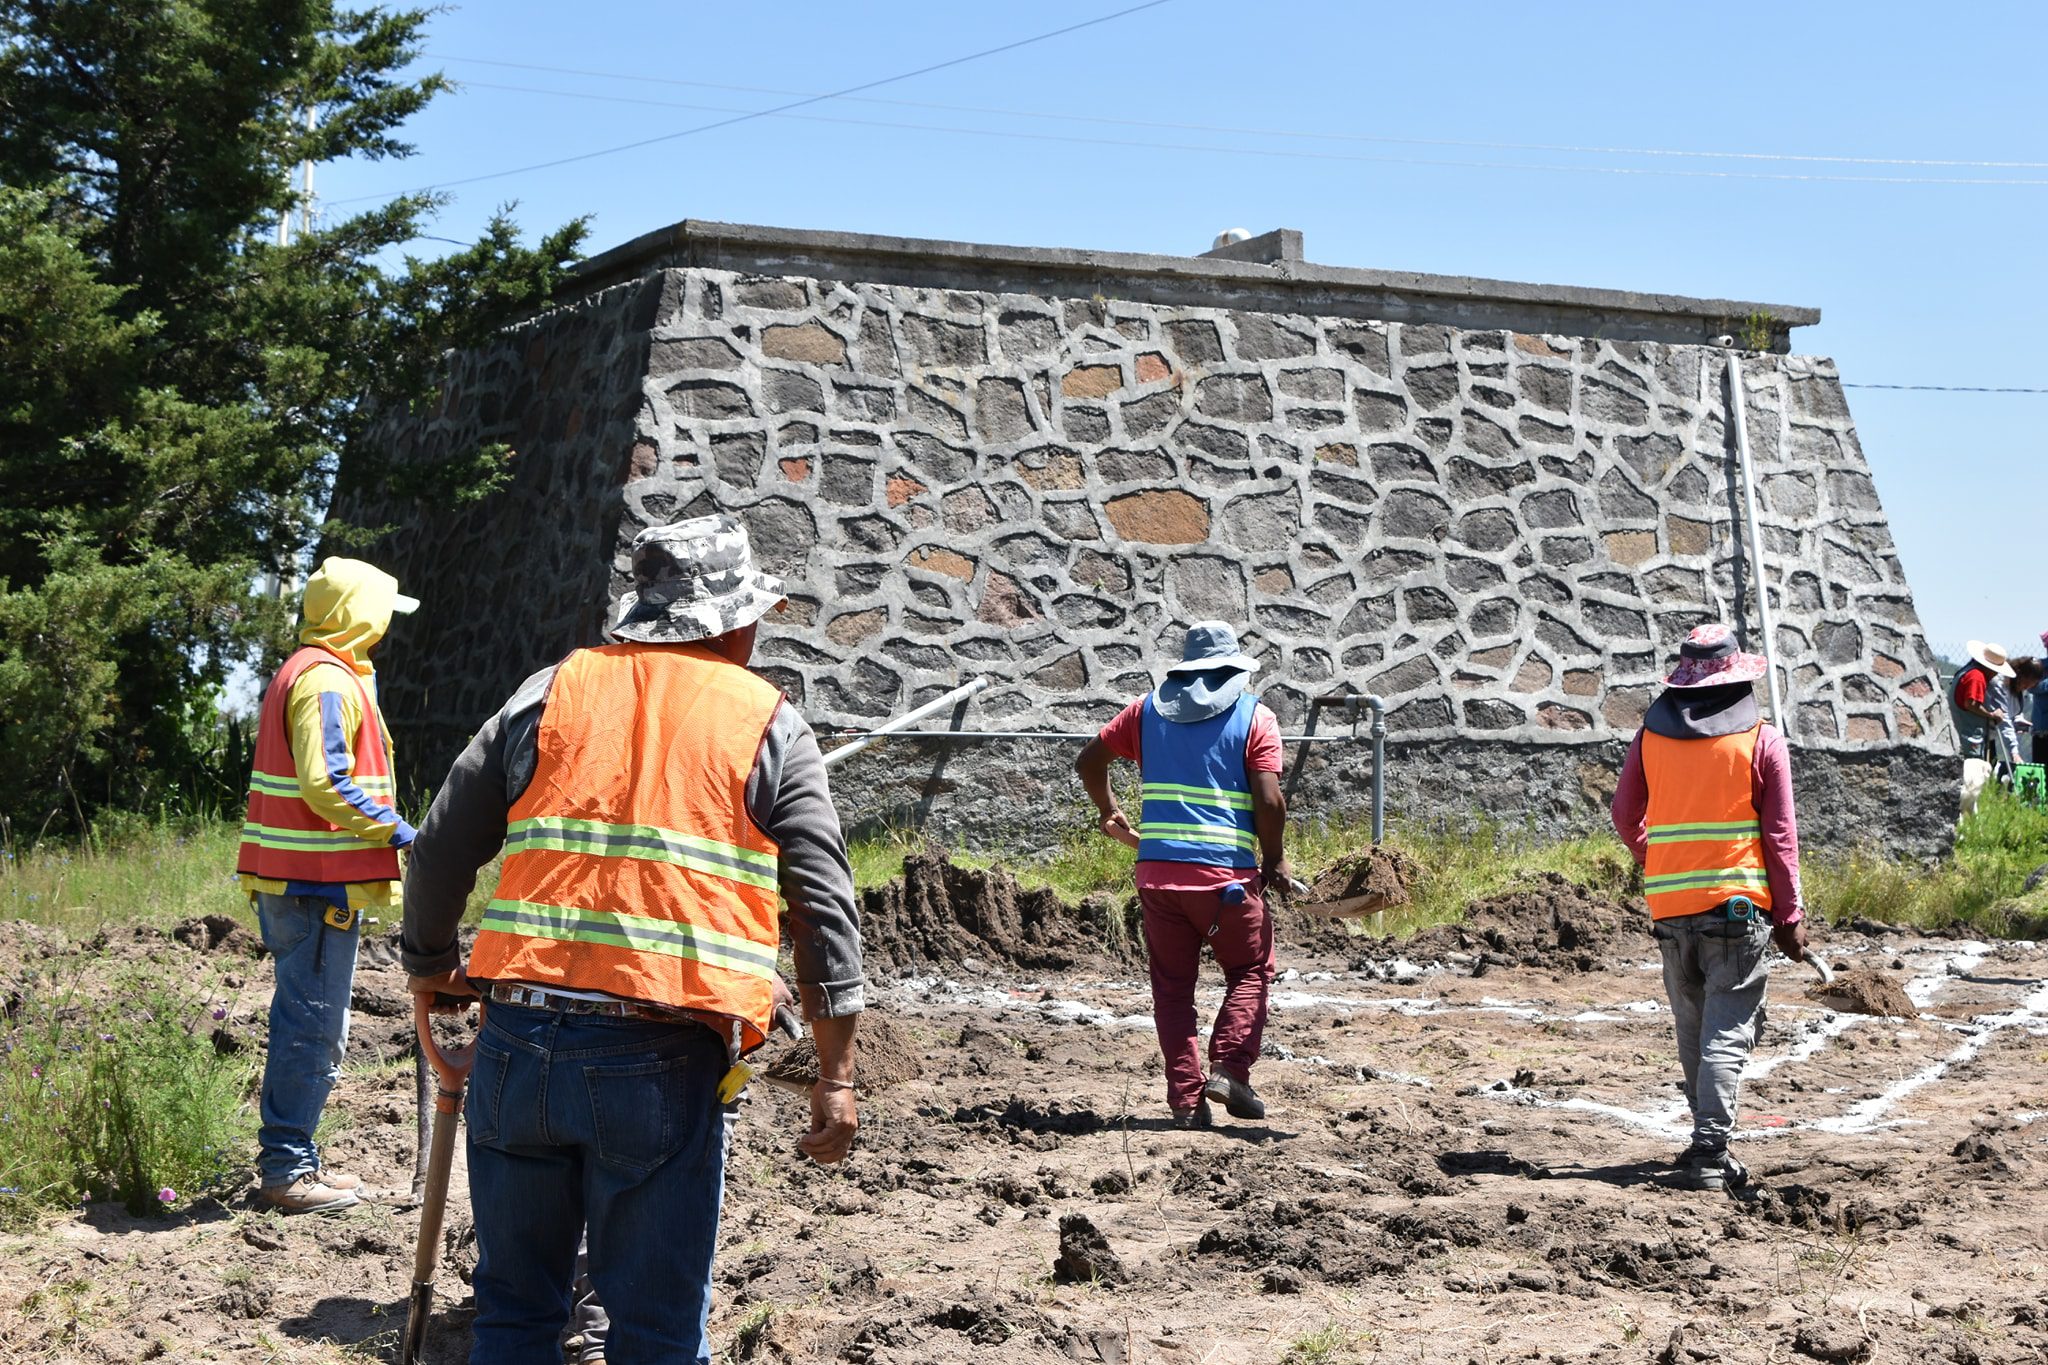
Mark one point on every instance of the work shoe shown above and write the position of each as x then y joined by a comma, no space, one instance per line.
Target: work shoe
336,1180
1196,1117
1237,1097
1711,1168
308,1194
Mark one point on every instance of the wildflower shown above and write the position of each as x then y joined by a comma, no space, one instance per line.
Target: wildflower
220,1012
35,1073
167,1195
106,1037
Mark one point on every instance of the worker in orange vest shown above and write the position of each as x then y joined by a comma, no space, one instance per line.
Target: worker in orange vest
654,799
1705,805
319,851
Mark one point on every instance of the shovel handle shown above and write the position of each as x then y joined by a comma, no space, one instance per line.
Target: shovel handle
451,1065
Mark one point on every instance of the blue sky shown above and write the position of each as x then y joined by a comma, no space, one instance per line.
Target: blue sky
1918,283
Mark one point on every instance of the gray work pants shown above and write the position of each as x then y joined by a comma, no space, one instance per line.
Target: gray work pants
589,1324
1714,970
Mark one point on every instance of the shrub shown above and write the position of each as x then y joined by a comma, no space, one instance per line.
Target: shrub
125,1098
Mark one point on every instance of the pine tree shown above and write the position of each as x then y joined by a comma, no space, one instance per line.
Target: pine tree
175,388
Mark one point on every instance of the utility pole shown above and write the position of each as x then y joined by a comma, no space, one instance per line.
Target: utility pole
306,204
284,219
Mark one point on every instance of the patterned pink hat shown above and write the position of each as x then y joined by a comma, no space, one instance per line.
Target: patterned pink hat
1709,658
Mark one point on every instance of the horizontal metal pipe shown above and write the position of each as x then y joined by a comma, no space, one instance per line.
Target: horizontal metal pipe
1037,734
895,725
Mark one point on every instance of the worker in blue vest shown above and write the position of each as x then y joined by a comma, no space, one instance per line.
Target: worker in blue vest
1210,841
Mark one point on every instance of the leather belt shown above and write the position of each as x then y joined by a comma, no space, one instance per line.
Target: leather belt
533,997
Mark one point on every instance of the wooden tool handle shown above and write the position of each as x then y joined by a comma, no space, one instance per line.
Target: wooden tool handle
451,1066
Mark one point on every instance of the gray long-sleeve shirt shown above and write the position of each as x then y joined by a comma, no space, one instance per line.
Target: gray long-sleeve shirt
787,798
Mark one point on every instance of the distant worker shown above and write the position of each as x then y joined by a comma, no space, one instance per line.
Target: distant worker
1705,805
319,849
654,799
2026,693
1979,693
2041,711
1209,841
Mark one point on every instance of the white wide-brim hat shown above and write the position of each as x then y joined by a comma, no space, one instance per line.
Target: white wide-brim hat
1992,657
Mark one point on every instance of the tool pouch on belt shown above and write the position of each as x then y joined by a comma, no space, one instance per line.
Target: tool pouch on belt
1736,917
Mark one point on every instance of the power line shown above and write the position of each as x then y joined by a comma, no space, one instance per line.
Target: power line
1286,153
1939,388
779,109
1316,135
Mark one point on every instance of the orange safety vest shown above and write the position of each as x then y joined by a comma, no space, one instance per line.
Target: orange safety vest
283,838
1706,840
631,864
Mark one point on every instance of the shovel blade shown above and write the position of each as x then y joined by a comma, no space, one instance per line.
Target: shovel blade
419,1312
1370,903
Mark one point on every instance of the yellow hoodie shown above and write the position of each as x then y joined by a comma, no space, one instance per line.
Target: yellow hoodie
347,607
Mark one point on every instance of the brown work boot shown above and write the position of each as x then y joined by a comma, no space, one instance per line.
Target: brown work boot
307,1194
337,1180
1237,1097
1196,1115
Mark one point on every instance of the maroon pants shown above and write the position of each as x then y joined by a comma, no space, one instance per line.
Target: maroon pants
1177,924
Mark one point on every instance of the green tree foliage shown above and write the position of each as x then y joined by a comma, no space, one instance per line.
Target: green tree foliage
175,388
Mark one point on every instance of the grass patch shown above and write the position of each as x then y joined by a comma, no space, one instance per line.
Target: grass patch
1982,886
139,873
1325,1346
117,1097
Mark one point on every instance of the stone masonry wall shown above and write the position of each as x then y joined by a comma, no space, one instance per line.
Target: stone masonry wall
1503,534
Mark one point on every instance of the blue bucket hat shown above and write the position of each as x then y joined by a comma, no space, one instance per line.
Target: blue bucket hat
1209,678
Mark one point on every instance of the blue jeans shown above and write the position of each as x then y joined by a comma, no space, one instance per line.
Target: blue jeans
316,967
614,1123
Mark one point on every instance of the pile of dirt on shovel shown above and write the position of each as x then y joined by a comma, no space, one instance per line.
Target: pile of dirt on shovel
883,1055
1375,879
1551,923
1865,990
939,915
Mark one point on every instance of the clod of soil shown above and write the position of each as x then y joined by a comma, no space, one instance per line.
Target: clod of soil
1825,1342
218,934
1554,924
1085,1256
882,1056
1865,990
1362,883
937,914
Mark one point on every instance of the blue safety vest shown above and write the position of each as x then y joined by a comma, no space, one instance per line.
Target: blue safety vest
1198,798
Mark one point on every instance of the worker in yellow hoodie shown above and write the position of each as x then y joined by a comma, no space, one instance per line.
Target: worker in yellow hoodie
319,849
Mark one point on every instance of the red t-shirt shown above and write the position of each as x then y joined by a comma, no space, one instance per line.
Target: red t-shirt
1262,754
1970,687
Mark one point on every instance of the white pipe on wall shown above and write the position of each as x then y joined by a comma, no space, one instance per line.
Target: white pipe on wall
1738,420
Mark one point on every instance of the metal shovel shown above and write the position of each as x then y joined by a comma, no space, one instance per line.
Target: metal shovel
451,1074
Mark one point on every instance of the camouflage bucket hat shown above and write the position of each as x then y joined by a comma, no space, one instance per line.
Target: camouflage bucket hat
693,580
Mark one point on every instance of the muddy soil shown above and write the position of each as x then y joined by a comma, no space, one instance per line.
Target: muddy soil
937,914
1453,1168
1551,924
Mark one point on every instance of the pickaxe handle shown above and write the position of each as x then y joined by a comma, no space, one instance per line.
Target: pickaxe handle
451,1075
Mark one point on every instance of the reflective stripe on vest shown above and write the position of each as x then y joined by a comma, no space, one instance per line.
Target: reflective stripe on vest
631,864
642,933
1706,842
1197,796
283,838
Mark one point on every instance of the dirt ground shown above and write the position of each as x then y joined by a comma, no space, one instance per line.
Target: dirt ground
1465,1159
